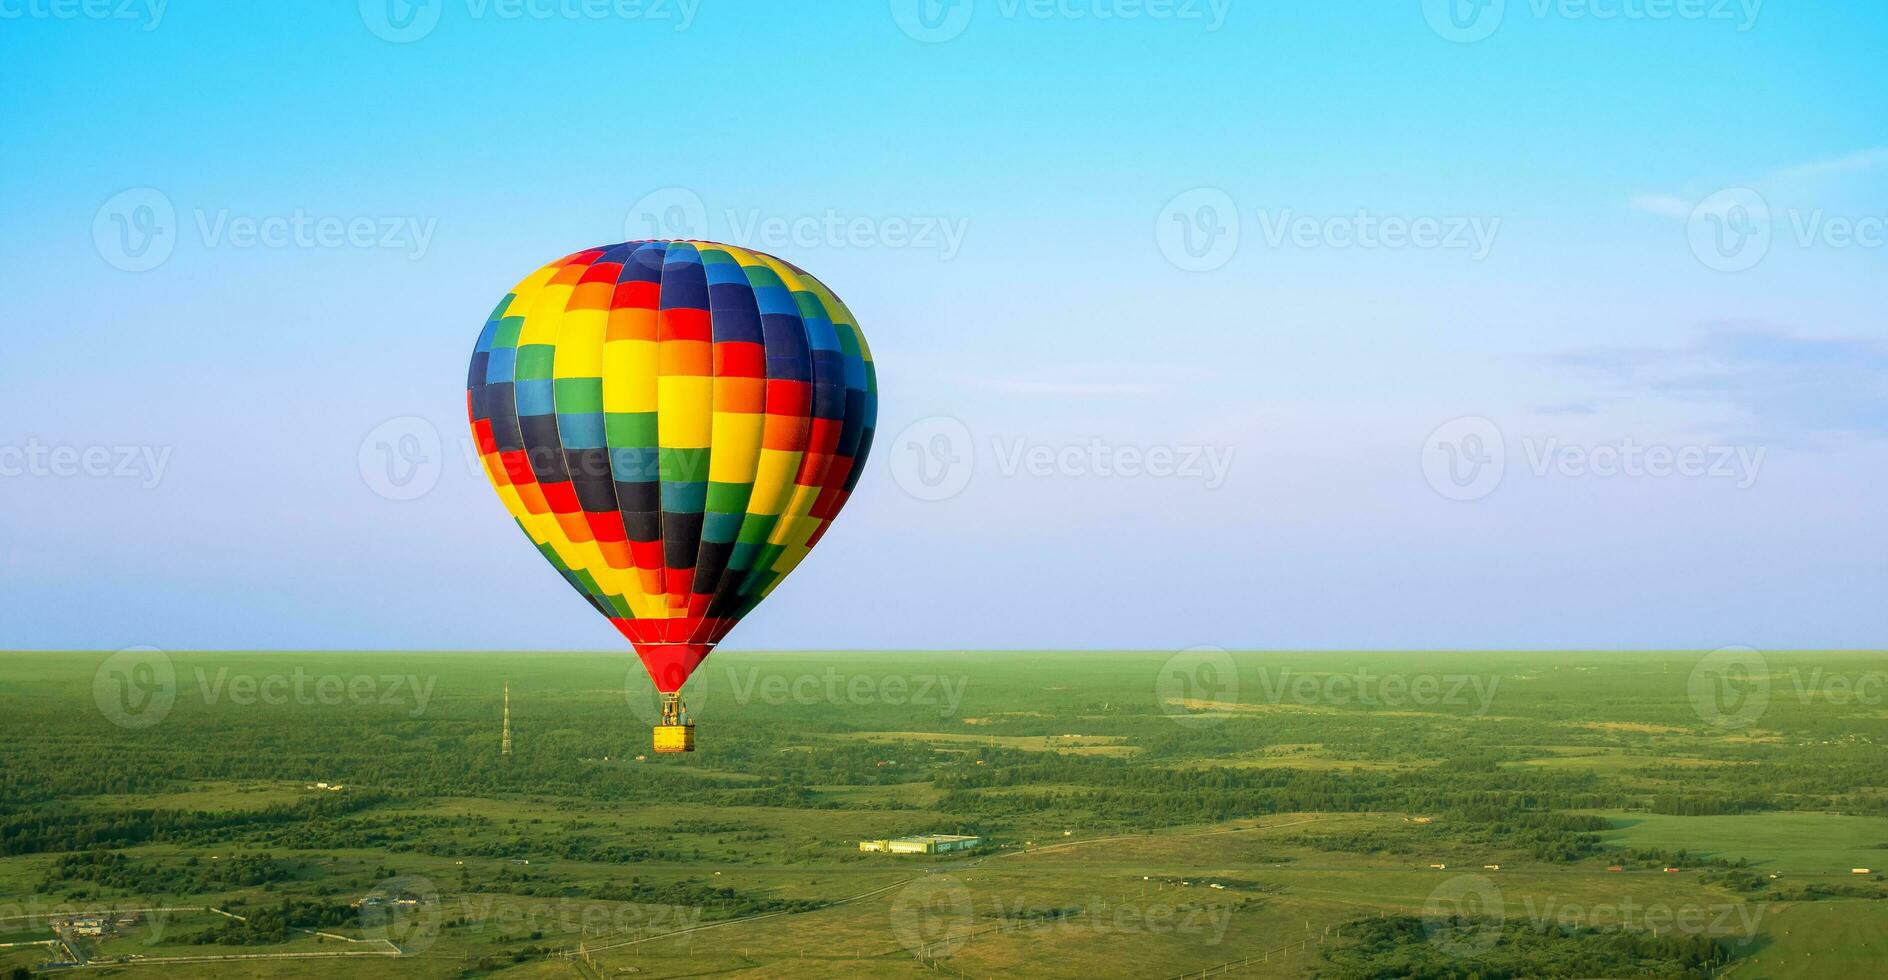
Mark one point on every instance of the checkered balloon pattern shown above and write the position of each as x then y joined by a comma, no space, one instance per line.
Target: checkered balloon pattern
674,424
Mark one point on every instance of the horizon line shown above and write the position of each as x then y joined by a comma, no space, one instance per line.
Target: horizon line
817,650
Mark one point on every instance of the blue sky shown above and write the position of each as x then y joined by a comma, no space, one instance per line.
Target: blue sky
1249,324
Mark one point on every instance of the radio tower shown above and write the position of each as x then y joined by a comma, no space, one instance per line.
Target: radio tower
504,745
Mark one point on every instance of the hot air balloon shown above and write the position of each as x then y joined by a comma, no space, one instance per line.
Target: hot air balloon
674,425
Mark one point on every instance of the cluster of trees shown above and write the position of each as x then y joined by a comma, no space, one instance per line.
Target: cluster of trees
1693,805
716,902
362,829
193,875
1735,880
576,847
493,964
1484,803
272,924
1548,836
1559,837
1658,857
53,829
1470,949
1817,891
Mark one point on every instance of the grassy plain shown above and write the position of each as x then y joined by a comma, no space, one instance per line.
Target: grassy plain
1147,814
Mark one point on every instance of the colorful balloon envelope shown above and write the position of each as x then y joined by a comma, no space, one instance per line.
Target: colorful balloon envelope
674,424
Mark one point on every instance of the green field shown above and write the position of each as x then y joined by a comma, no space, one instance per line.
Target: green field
1145,814
1808,843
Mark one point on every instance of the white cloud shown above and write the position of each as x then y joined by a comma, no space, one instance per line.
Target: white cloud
1784,388
1852,163
1680,207
1663,205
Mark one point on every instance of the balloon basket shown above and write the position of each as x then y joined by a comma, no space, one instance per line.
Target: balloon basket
675,738
676,733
